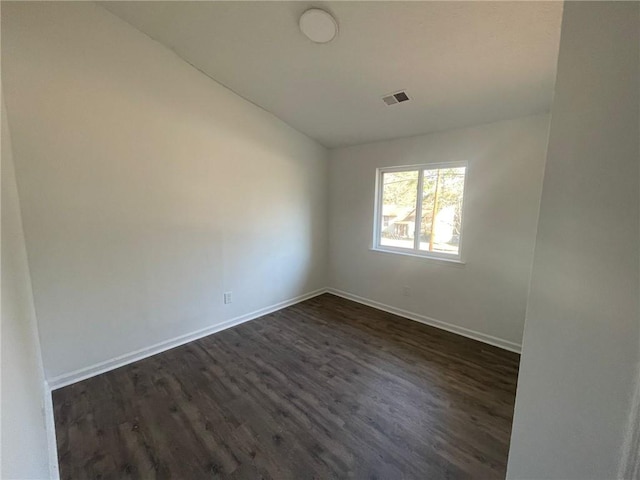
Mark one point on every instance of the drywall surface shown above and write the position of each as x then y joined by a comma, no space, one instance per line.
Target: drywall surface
504,178
462,63
24,437
580,349
630,457
148,189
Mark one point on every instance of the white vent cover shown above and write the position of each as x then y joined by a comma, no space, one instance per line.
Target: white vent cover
394,98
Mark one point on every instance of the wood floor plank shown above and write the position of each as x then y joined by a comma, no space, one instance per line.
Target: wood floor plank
325,389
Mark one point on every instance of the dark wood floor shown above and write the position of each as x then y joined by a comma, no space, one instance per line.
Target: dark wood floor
324,389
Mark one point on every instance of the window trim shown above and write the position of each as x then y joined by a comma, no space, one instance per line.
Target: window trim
415,251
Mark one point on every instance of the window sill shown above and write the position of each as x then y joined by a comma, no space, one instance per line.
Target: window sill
446,261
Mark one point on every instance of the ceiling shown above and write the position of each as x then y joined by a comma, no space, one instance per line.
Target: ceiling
461,63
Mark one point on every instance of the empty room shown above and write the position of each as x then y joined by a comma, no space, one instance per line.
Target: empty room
297,240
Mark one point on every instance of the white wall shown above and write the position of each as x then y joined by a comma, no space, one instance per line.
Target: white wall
148,189
630,456
580,349
504,179
24,436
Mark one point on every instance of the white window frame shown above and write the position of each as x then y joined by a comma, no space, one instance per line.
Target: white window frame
415,251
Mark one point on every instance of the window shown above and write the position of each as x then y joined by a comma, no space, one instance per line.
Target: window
419,210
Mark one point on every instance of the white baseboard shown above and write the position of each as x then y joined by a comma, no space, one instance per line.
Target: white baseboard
122,360
50,426
465,332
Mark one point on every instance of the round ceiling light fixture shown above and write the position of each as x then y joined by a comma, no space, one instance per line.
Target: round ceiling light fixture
318,25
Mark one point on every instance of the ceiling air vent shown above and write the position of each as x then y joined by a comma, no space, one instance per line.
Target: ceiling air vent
394,98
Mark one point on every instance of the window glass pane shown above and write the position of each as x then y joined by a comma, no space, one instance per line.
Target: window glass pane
442,210
398,216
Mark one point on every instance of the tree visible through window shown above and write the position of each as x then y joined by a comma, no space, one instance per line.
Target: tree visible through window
419,209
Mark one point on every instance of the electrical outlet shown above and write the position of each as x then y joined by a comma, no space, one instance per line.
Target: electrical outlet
406,291
227,297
